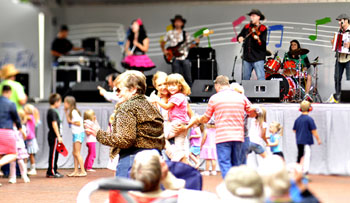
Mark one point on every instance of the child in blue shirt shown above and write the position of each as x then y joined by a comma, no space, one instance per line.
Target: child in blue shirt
305,129
274,139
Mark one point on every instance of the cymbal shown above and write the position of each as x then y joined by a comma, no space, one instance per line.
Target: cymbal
315,63
299,52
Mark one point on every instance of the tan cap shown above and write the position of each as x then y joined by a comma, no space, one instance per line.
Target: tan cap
8,70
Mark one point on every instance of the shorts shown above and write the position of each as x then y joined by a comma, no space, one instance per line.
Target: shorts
258,149
79,137
195,150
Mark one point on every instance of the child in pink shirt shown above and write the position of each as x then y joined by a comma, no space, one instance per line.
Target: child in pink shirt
90,142
179,111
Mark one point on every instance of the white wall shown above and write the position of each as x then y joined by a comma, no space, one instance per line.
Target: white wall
20,26
19,40
298,20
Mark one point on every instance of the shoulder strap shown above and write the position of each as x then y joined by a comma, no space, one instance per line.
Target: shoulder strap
183,36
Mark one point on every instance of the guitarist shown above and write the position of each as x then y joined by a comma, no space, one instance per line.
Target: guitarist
180,65
253,36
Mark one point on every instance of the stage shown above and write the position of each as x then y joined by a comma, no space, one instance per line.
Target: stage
332,157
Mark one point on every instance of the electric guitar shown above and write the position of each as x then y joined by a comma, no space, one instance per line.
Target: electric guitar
175,51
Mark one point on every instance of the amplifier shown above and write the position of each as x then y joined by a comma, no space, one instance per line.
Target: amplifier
345,91
262,90
204,69
87,92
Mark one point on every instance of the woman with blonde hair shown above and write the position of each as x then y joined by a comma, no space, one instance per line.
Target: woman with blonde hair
179,114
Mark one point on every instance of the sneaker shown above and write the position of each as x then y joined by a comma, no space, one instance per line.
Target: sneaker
1,173
26,179
205,173
213,173
91,170
12,180
57,175
32,172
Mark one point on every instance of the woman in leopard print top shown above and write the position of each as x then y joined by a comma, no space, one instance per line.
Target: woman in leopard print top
137,124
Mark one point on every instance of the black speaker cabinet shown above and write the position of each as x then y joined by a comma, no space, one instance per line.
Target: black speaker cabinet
23,78
202,90
345,91
87,92
205,53
262,90
204,69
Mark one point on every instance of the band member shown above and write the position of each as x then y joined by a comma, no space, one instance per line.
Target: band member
253,36
61,45
342,59
136,47
305,64
178,35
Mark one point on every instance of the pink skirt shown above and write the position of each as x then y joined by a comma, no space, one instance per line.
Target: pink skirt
138,62
7,141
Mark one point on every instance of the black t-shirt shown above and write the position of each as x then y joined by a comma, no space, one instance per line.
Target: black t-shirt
52,115
61,45
140,39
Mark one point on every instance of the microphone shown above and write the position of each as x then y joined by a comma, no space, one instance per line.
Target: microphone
316,59
275,55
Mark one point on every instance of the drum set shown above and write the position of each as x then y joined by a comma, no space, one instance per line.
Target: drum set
292,77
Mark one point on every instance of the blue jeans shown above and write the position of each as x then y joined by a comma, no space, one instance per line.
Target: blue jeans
258,67
245,150
258,149
183,67
338,74
124,166
229,154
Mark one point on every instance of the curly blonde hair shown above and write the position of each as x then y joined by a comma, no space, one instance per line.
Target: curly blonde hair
178,79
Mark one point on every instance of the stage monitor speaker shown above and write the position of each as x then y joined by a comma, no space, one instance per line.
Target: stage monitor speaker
87,92
202,90
345,91
262,90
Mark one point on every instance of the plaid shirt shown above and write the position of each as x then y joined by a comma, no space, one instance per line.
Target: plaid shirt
175,37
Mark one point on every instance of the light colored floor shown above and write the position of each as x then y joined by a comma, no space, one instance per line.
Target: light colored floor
41,189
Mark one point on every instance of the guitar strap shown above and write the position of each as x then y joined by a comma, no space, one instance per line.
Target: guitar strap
183,37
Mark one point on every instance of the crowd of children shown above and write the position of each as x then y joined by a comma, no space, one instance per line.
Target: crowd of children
194,146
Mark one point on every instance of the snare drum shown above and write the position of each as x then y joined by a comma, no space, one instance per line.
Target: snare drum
272,66
289,68
288,85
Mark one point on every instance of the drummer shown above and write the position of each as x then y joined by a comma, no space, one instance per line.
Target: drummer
305,63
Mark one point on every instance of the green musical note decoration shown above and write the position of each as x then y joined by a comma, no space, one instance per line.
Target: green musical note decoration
202,31
321,21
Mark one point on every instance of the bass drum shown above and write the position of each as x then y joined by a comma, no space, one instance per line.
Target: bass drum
288,85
